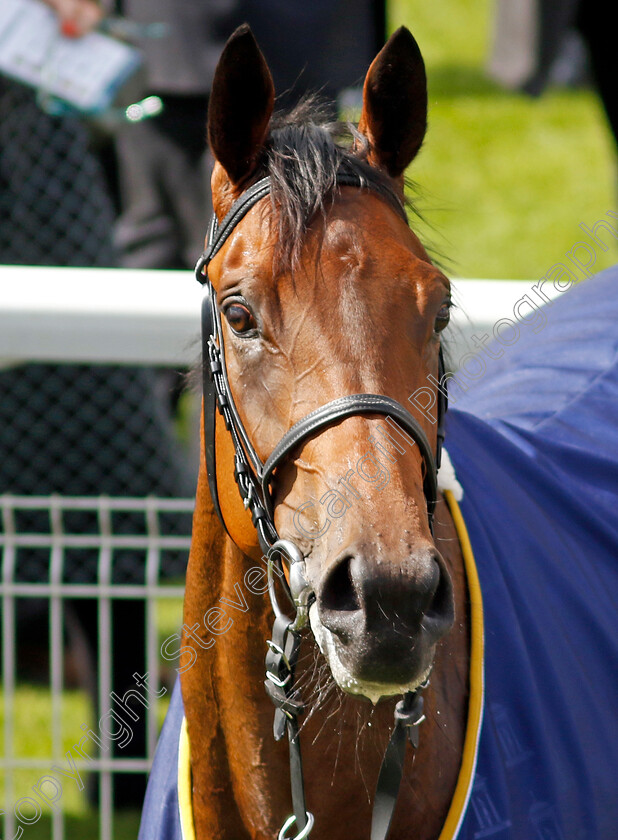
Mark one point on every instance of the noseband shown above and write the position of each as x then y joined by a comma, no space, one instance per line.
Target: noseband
255,479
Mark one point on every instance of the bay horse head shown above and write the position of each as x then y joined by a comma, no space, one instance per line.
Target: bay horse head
329,316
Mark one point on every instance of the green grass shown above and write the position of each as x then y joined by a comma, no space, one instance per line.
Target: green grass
86,827
504,180
32,739
32,736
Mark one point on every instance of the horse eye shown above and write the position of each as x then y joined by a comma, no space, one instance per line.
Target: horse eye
240,318
443,316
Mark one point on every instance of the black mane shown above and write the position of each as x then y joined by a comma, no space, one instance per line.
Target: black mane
302,156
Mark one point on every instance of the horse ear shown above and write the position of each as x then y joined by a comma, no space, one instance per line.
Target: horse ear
241,105
394,114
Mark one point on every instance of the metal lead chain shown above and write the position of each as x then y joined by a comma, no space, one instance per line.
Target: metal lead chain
280,666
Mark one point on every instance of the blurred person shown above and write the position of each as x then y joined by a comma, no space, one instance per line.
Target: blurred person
75,429
537,42
592,23
77,17
324,45
164,168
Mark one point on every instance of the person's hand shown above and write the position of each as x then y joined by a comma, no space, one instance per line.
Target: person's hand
77,17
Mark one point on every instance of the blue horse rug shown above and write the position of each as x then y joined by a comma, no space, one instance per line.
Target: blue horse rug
535,447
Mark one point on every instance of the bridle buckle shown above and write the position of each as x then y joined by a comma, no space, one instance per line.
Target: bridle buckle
299,589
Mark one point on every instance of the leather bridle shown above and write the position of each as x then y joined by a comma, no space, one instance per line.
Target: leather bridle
254,479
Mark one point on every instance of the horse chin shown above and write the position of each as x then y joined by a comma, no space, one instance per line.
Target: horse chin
346,681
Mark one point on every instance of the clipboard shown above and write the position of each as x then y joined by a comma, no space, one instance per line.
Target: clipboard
85,73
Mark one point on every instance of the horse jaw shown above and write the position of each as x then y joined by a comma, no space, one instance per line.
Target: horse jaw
344,679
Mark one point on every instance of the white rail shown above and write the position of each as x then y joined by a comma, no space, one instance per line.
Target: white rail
98,315
121,316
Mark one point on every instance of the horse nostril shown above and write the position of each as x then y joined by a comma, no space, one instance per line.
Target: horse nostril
338,593
440,612
358,597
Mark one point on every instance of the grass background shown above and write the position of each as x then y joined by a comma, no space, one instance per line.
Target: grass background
32,739
504,182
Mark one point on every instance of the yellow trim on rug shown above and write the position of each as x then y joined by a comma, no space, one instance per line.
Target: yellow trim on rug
185,801
475,704
476,700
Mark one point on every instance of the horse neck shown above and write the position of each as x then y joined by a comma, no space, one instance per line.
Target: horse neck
241,775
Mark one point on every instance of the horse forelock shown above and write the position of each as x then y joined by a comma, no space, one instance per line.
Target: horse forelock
303,154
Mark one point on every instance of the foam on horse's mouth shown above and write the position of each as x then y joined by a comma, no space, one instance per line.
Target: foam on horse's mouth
348,683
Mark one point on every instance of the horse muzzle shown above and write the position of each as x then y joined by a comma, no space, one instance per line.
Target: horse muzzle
378,625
